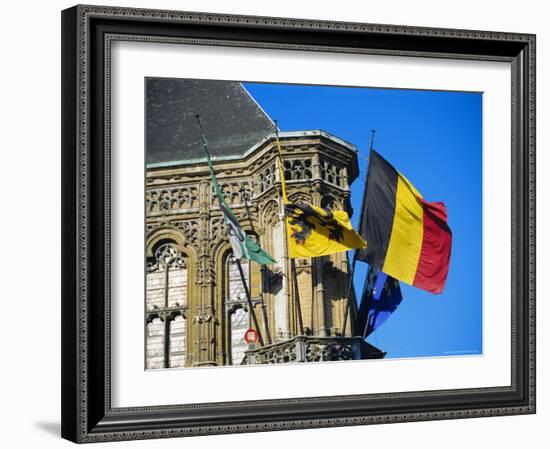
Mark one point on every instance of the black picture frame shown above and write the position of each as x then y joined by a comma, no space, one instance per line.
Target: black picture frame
87,415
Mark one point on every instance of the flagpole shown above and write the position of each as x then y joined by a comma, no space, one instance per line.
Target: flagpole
348,302
263,305
266,324
250,305
352,273
366,328
225,211
297,304
297,297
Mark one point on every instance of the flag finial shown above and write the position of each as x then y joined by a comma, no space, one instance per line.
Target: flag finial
372,131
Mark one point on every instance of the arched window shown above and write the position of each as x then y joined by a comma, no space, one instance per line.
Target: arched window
166,307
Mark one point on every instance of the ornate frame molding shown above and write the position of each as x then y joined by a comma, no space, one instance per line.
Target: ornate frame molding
87,415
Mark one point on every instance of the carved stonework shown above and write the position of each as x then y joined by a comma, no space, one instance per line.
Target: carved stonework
190,229
329,203
206,272
331,173
234,192
300,196
266,178
313,349
174,198
163,179
333,352
297,169
217,229
202,318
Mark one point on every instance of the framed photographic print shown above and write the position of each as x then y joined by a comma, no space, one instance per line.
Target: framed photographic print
283,223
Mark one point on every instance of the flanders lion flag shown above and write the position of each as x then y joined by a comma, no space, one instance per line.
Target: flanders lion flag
313,231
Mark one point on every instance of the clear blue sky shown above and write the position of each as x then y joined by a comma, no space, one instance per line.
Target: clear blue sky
435,140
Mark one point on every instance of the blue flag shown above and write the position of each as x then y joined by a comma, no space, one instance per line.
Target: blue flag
379,285
381,296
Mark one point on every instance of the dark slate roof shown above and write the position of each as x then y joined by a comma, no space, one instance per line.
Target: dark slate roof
232,121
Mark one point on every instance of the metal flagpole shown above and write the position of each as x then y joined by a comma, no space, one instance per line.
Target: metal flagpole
350,286
264,307
245,286
366,329
250,305
266,324
292,262
297,297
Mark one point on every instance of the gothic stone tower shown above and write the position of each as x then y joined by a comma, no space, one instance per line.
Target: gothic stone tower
196,310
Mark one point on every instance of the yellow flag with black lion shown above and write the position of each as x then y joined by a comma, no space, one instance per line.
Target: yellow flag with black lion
313,231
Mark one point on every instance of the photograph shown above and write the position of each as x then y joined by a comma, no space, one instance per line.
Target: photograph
293,223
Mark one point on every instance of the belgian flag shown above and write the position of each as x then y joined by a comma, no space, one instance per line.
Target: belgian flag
409,238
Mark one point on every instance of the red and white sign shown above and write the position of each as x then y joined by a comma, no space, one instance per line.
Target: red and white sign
251,336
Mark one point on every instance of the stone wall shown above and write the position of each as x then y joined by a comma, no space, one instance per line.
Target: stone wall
205,313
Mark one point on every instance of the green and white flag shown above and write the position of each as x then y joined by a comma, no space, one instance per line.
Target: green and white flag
242,243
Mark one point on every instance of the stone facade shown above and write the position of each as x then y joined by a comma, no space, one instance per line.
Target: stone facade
196,309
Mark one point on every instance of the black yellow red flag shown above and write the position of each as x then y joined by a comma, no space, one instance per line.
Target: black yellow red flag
409,238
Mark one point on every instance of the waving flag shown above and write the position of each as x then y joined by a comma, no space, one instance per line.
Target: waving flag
381,296
409,238
313,231
241,243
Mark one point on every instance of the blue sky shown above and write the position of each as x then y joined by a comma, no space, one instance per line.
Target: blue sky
434,139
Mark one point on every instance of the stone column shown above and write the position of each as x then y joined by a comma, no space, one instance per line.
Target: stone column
203,316
316,166
344,178
319,322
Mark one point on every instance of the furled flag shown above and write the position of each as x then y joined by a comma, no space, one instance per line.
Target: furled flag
313,231
409,238
381,296
241,243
